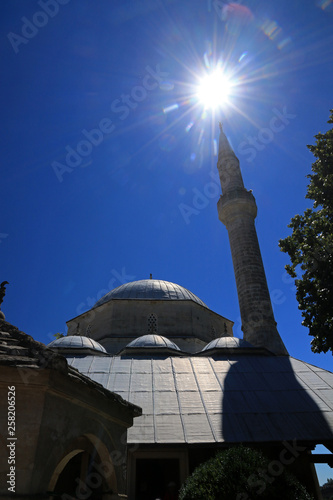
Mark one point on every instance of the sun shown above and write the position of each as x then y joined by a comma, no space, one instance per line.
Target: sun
214,89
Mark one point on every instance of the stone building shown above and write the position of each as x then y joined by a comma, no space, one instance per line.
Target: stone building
158,346
200,388
63,432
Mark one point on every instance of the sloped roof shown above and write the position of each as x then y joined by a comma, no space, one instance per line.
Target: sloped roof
220,398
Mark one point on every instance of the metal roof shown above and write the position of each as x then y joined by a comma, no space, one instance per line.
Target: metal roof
150,289
76,342
227,342
222,398
156,341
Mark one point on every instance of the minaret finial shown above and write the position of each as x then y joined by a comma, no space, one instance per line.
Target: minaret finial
221,126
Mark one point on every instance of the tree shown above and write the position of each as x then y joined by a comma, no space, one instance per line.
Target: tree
242,473
310,248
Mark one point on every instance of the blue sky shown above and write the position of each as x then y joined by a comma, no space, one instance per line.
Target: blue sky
109,168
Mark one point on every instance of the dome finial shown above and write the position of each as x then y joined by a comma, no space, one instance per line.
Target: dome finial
151,276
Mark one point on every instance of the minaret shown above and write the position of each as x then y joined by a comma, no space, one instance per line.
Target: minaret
237,210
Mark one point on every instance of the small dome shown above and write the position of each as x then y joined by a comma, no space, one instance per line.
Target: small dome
152,341
227,343
150,290
76,342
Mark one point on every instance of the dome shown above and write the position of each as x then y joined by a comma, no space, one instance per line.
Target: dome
227,343
152,341
76,342
150,290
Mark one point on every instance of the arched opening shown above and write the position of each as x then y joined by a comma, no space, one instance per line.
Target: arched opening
86,471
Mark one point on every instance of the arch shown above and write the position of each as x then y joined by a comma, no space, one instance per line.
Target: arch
85,466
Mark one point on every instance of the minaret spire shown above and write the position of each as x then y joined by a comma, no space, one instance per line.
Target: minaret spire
237,210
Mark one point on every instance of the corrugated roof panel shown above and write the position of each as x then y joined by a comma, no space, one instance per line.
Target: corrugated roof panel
326,395
169,429
143,431
311,379
281,401
298,366
243,364
208,382
220,365
272,364
201,365
81,363
164,382
286,426
253,381
182,365
213,401
329,418
323,399
258,426
119,382
121,365
162,365
234,428
101,364
283,381
327,377
270,402
250,400
185,382
72,361
190,402
216,424
141,366
232,381
165,403
198,429
140,382
143,399
234,402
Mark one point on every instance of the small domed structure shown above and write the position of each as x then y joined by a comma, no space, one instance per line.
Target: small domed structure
156,341
151,342
227,343
77,343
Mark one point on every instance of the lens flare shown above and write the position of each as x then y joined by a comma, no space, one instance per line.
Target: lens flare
214,89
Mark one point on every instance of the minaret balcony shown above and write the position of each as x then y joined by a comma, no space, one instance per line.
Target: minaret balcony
236,203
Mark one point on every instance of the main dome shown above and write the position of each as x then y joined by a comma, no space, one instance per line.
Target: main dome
150,289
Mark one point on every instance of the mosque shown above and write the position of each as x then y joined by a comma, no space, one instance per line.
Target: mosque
152,358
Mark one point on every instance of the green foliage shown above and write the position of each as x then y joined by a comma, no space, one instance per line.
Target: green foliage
241,473
310,248
58,335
